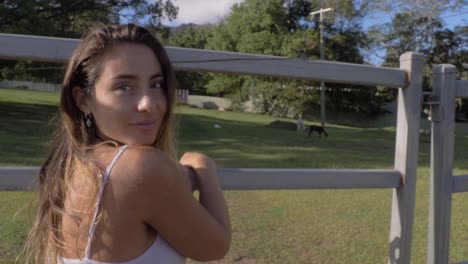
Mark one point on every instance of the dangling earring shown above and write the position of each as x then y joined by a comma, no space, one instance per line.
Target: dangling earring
88,120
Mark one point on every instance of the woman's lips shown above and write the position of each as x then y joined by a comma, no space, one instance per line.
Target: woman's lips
144,125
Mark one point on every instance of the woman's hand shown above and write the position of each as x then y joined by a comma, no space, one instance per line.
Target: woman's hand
203,166
197,161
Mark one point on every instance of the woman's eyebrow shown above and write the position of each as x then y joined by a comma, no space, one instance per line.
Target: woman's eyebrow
157,75
125,76
134,77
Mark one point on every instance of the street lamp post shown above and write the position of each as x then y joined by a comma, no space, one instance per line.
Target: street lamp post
322,57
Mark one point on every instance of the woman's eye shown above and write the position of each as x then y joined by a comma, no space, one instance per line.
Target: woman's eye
156,84
124,87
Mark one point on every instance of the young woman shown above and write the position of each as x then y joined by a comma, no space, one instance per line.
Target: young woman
111,188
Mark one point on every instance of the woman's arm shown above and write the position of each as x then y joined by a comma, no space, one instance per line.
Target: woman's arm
198,230
211,195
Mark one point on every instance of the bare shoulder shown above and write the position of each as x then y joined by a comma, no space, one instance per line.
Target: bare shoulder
141,177
140,166
147,175
145,159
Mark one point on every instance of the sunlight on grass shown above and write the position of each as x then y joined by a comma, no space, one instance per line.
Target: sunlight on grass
293,226
15,215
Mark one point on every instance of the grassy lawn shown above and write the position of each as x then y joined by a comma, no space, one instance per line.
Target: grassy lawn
300,226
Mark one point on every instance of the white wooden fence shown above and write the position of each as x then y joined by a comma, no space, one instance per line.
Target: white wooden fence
49,87
402,179
443,183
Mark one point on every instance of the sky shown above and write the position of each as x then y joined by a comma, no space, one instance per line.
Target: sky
201,12
211,11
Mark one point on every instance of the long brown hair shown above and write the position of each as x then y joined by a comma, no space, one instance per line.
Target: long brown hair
73,139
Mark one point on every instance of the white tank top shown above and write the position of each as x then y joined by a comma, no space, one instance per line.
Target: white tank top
159,252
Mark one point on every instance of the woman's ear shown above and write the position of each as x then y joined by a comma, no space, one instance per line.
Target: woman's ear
82,99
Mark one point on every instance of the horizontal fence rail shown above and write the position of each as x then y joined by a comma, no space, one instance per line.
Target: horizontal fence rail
272,179
18,47
337,72
19,178
460,184
461,88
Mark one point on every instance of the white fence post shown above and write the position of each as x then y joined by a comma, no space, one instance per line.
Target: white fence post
443,133
406,159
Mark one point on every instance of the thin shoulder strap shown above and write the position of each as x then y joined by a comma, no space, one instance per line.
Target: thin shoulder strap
105,178
111,164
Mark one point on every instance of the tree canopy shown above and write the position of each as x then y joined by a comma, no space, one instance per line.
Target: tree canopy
278,27
70,19
270,27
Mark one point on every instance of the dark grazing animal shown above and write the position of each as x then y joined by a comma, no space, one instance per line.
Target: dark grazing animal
317,129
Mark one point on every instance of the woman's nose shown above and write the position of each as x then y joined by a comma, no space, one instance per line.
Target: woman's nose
146,103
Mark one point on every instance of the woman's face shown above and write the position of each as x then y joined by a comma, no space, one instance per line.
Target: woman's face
128,102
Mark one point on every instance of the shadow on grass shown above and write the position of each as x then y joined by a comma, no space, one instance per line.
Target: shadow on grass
24,131
245,144
27,127
249,144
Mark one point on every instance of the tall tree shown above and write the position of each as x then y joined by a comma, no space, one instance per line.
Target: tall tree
412,24
253,26
278,27
62,18
450,47
296,11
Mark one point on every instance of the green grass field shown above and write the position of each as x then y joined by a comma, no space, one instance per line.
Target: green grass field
303,226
